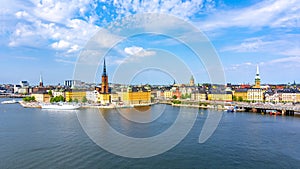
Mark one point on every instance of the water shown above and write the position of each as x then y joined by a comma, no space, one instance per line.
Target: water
35,138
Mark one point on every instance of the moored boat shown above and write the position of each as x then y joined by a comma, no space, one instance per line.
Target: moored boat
60,106
9,102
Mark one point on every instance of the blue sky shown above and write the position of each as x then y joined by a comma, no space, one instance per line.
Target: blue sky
48,36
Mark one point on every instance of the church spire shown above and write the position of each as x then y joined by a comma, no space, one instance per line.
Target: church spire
257,73
41,81
104,68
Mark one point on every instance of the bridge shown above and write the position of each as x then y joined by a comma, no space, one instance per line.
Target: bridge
285,109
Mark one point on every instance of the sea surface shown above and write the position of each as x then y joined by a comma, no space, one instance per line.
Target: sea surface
36,138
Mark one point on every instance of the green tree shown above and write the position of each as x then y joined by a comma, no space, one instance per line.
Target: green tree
50,93
70,100
57,99
84,99
234,98
240,99
176,101
174,97
188,95
76,100
29,98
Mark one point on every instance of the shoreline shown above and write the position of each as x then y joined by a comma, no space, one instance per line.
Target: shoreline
207,105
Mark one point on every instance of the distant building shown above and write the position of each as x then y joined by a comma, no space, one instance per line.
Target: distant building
192,81
271,96
58,92
73,83
137,95
75,94
241,94
289,95
16,88
92,96
41,97
40,88
24,83
199,95
219,95
255,94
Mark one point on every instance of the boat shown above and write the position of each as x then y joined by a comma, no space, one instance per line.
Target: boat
230,109
9,102
60,106
274,112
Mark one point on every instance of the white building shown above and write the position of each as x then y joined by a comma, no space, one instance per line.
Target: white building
24,83
92,95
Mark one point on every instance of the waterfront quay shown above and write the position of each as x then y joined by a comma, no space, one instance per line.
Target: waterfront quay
284,109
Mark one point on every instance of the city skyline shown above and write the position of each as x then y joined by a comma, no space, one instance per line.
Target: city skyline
47,37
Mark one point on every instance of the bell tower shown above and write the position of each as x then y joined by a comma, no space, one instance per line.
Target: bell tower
257,78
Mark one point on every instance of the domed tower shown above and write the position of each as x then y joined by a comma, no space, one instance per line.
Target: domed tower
257,78
192,81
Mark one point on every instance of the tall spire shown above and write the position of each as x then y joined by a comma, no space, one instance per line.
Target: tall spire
41,80
104,68
257,72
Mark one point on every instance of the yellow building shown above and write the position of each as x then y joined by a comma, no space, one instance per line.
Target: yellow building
103,98
255,94
240,93
198,95
168,94
41,97
220,96
75,95
137,95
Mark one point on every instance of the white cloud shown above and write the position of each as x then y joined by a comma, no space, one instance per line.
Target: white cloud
42,22
183,9
26,58
62,44
65,61
248,45
293,59
272,13
283,44
138,51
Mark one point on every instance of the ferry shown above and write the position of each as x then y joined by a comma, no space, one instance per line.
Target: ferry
9,102
60,106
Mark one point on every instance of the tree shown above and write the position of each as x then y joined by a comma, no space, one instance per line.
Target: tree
234,98
240,99
50,93
84,99
174,97
176,101
57,99
76,100
29,98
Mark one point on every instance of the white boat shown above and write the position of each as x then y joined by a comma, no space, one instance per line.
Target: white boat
9,101
60,106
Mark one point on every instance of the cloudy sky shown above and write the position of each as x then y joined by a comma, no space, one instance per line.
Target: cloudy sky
47,37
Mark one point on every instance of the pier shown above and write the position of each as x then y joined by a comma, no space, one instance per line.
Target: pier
285,109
